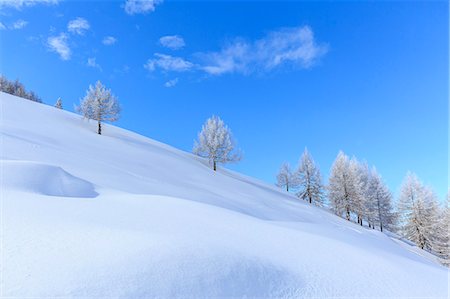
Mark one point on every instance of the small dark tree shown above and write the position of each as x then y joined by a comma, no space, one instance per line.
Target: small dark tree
58,103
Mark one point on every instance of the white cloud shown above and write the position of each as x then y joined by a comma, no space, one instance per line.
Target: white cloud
78,26
91,62
291,46
173,42
140,6
59,45
171,83
2,26
19,24
168,63
109,40
19,4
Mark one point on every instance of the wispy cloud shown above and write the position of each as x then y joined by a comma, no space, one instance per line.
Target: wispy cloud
19,24
173,42
92,62
78,26
290,46
171,83
19,4
2,26
140,6
168,63
294,48
59,45
109,40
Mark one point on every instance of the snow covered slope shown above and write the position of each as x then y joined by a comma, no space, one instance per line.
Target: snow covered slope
121,215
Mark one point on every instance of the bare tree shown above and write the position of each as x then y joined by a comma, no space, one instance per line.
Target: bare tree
285,177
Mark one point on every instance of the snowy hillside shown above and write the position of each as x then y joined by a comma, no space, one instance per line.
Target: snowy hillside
121,215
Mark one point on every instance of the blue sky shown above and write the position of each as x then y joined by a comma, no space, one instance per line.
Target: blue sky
368,78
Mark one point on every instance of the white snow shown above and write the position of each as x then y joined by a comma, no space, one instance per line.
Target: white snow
121,215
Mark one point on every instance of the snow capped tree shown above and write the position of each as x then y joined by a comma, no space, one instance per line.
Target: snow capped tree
18,89
285,177
359,176
379,203
309,180
216,143
58,103
99,104
419,213
443,234
339,186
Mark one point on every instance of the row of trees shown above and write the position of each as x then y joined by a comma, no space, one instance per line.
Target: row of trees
358,193
18,89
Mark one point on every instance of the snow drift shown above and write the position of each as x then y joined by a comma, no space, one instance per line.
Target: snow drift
43,179
163,224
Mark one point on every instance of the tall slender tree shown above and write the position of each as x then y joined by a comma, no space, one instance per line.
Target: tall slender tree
339,186
309,180
379,203
443,234
418,210
358,188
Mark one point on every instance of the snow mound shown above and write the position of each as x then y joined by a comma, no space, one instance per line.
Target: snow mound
43,179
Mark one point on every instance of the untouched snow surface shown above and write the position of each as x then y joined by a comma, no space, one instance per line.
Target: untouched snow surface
121,215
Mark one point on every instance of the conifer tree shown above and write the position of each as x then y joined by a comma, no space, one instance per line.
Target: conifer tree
309,180
419,213
339,186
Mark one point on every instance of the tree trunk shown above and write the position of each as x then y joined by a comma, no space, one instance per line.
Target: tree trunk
348,214
99,128
215,165
381,226
310,199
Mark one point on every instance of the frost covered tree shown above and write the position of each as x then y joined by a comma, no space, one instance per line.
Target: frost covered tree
359,175
285,177
419,213
345,187
99,104
378,203
339,189
443,234
58,103
216,143
18,89
309,180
